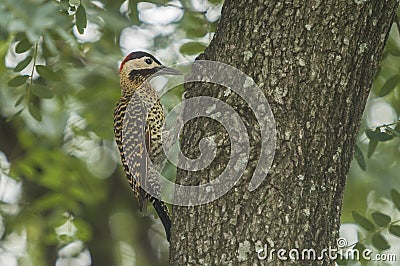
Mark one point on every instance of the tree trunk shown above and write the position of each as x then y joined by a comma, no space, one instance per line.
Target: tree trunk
315,62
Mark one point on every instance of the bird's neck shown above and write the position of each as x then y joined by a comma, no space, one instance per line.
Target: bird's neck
130,86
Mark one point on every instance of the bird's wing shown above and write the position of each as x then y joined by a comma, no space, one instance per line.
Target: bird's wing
133,137
134,142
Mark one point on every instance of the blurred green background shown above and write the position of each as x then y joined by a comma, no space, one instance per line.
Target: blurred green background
64,198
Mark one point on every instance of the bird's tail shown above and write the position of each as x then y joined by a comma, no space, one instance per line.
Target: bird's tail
163,213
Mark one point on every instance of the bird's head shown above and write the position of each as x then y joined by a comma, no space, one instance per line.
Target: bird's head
139,66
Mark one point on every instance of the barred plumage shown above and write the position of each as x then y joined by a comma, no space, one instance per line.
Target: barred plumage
138,121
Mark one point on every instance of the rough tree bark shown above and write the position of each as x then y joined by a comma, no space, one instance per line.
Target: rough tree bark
315,62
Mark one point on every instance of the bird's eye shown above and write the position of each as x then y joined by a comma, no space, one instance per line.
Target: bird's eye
148,61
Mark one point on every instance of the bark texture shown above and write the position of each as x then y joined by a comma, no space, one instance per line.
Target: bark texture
315,62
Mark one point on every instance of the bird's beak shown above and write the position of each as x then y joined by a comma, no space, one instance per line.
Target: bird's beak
163,70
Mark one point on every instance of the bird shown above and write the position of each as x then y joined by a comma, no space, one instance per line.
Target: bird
138,122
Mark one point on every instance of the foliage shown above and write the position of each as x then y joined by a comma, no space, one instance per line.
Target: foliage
386,86
59,84
377,155
59,76
374,231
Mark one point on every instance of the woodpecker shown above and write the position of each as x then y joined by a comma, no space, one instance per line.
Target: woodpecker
138,121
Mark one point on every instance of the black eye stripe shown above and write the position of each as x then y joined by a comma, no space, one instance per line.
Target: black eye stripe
148,61
141,72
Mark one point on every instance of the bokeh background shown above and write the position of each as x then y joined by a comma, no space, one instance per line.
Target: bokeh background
64,199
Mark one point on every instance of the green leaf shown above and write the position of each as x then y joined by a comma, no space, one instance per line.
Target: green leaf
17,81
81,20
23,46
361,247
42,91
372,134
35,112
194,24
394,229
385,136
389,85
10,118
213,26
360,158
371,147
395,198
197,32
23,64
192,48
19,100
47,73
379,242
215,1
378,135
381,219
363,222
